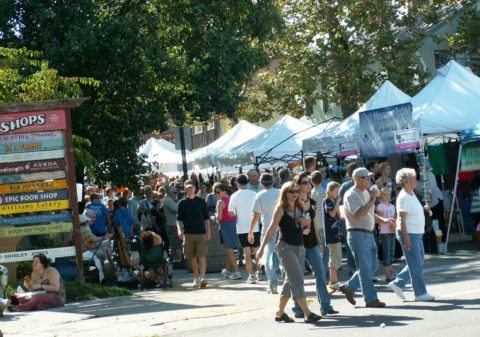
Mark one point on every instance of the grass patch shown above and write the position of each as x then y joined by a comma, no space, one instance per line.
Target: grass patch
92,291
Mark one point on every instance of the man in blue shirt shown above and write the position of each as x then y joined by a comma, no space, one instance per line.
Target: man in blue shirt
99,226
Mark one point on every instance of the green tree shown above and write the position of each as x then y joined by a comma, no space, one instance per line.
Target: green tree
340,51
467,38
158,62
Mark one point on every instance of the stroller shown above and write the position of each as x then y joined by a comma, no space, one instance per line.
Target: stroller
124,257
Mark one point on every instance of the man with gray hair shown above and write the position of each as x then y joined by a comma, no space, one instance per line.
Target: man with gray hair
359,204
170,211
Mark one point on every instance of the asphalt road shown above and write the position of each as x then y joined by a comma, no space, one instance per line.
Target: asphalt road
234,308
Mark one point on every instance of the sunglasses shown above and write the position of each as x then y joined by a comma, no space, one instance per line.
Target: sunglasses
306,182
292,191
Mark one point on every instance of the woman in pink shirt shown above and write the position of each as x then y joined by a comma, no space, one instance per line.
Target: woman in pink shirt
228,227
387,232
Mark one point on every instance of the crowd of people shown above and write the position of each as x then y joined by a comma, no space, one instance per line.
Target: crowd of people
278,224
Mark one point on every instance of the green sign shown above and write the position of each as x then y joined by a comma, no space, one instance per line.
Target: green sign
10,232
470,157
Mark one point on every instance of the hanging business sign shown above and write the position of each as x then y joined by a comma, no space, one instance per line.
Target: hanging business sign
378,128
31,137
37,218
347,148
28,255
407,139
23,178
34,207
12,232
11,199
32,166
45,145
470,157
33,187
35,121
26,156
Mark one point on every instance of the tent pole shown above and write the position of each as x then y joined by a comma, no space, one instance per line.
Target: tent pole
454,197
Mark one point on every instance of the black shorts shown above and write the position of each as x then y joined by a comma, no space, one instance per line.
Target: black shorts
243,239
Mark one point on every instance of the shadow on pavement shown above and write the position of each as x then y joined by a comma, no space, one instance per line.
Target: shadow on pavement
339,321
446,305
126,306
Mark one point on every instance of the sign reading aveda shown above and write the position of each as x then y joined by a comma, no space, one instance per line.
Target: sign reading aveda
35,121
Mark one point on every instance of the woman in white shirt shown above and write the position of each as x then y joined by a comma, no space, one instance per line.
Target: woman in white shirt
410,229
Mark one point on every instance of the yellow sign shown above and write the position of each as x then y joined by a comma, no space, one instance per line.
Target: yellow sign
34,207
33,187
11,232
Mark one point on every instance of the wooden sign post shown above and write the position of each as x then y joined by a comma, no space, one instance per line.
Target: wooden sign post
36,155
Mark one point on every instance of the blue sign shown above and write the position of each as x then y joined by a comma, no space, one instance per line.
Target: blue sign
32,219
378,128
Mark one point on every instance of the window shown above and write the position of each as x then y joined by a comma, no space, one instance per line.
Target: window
211,125
197,129
442,57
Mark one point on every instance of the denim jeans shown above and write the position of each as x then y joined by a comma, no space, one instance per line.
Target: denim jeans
314,259
414,268
388,248
364,251
269,263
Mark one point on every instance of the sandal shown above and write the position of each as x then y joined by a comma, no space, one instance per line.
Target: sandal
284,318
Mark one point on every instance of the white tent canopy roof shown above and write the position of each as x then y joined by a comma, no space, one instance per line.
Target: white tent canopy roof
387,95
287,126
238,135
450,102
163,155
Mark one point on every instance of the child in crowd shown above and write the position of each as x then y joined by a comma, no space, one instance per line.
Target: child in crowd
387,233
333,233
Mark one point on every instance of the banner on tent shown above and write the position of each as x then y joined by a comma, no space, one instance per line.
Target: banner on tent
378,128
470,157
407,139
347,148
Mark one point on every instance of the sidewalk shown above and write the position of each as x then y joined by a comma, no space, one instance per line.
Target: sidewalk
223,302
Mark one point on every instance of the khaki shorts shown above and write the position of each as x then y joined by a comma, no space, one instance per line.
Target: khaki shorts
335,254
195,245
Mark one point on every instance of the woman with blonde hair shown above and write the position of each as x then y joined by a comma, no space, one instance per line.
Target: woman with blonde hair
291,251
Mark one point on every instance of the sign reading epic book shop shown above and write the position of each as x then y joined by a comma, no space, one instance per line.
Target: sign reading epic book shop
378,128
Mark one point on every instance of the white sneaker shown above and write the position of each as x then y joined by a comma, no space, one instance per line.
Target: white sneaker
398,291
226,273
251,279
236,275
196,282
425,298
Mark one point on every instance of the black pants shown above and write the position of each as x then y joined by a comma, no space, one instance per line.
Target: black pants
438,213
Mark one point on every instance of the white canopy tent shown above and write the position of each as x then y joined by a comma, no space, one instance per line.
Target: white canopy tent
450,102
238,135
387,95
283,140
163,156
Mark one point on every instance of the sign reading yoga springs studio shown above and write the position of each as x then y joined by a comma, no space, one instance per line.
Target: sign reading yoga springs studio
378,128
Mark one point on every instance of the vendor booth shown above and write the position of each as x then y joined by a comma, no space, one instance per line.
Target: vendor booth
162,156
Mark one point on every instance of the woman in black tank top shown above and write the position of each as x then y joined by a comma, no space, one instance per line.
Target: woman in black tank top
290,250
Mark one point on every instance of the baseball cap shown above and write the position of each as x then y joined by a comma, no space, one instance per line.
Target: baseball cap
360,173
188,183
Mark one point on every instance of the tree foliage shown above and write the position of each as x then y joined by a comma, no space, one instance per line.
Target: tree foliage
340,51
466,40
158,62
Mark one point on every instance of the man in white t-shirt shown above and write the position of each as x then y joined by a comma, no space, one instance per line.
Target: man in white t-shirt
263,209
241,206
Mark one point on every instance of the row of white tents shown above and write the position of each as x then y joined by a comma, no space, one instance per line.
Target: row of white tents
449,103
